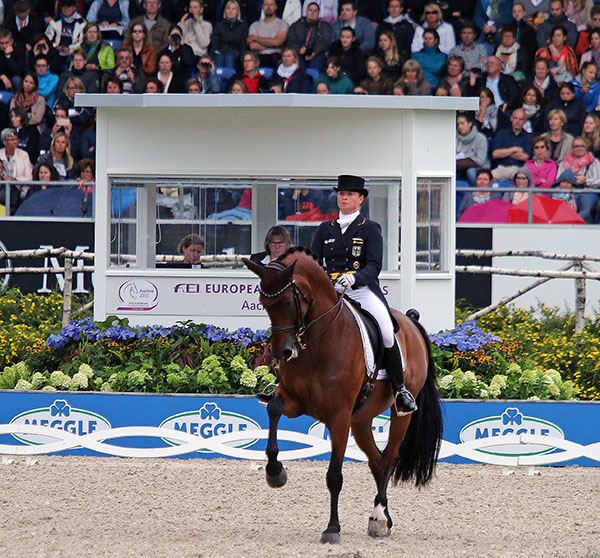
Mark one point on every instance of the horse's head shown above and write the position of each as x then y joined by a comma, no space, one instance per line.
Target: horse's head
288,288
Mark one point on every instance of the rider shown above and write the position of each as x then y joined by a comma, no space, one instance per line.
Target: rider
352,249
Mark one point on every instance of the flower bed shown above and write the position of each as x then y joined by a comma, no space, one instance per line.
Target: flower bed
508,354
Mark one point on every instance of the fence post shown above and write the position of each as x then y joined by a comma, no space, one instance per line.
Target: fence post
68,289
579,297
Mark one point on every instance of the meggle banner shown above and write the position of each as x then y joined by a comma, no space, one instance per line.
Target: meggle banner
142,425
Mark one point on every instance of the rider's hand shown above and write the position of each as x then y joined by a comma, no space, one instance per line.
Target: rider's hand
346,280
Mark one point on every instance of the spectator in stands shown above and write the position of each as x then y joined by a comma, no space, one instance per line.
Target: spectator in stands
559,140
521,179
543,169
158,27
432,19
565,183
525,35
47,82
28,135
557,19
196,31
45,173
586,86
430,58
455,80
533,105
311,37
322,88
250,74
536,11
412,77
132,79
376,83
487,115
510,54
29,99
113,86
474,54
43,46
490,17
277,242
145,57
483,194
504,87
211,82
573,108
587,173
16,165
578,12
66,31
79,117
401,25
12,61
62,124
60,156
88,141
585,38
591,132
228,39
363,28
100,56
192,247
184,59
511,147
171,83
266,37
86,173
471,148
154,85
400,88
25,26
543,80
112,15
337,82
193,86
238,87
387,52
561,57
290,75
89,78
347,50
593,54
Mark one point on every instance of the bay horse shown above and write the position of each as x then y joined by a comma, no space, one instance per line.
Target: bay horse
322,372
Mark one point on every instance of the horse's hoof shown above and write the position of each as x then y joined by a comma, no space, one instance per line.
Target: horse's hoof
379,526
277,481
330,537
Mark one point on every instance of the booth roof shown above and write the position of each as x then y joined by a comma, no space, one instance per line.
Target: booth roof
185,100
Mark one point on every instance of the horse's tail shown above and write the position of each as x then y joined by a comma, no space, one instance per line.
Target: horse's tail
420,447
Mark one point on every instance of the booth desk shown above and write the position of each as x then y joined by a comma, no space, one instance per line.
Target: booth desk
166,162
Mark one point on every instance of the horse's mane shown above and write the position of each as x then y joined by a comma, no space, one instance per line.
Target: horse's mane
300,249
304,256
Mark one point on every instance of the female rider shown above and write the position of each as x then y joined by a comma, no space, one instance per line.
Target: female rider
352,249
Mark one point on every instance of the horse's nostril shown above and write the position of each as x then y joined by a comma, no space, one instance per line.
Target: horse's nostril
287,354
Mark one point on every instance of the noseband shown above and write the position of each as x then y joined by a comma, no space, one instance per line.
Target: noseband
299,326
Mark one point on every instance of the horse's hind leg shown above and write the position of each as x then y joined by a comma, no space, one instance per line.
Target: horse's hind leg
275,473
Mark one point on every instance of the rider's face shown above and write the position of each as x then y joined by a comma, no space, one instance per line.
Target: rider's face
349,202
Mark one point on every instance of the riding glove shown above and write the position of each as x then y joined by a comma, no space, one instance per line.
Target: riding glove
346,280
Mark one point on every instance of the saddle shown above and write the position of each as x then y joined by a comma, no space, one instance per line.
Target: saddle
373,332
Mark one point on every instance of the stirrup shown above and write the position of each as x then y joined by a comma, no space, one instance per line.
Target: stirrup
267,394
404,402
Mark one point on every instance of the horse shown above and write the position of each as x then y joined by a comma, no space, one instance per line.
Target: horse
322,373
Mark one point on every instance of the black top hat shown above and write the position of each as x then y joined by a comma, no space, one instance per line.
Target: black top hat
351,183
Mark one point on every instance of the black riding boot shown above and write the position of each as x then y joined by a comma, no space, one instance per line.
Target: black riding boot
405,402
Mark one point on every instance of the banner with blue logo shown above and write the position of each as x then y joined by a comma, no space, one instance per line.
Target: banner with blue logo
199,426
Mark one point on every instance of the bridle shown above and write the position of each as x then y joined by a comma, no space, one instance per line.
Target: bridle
299,326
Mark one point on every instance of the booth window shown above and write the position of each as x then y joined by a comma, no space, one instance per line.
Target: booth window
430,199
150,216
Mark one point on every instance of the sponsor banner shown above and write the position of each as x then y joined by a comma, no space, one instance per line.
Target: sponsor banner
198,426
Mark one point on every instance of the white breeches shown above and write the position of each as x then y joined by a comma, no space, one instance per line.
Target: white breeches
375,306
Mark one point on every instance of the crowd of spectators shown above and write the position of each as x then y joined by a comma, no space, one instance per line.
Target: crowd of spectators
532,63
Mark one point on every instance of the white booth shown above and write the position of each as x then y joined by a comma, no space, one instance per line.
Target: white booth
228,167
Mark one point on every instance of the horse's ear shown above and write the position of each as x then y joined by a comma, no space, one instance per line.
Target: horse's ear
287,274
255,268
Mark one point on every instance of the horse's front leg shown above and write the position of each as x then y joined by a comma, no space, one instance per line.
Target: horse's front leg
275,473
335,479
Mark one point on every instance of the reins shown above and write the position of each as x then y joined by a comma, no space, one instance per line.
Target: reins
299,326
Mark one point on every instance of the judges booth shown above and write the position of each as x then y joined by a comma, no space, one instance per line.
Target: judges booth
228,167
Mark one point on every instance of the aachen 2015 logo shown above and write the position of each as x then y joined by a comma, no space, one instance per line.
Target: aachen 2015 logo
62,416
210,421
511,421
138,294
